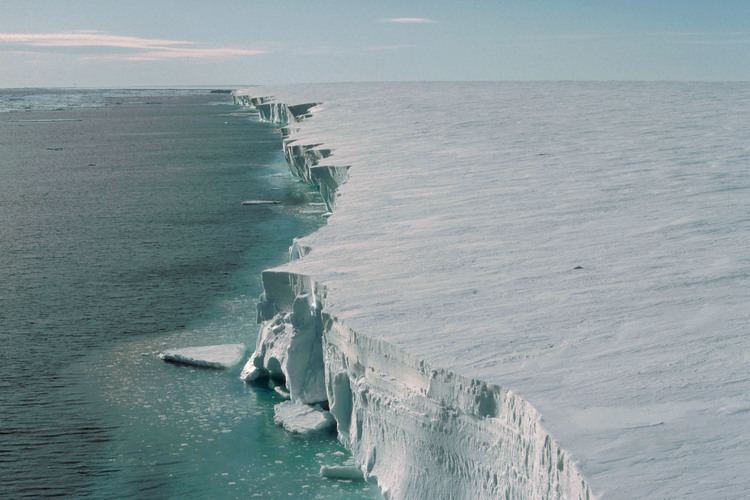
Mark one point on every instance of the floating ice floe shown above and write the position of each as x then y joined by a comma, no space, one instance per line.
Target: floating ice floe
302,419
348,472
210,356
261,202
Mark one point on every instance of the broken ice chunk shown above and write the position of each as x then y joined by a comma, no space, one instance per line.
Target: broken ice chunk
347,471
212,356
301,418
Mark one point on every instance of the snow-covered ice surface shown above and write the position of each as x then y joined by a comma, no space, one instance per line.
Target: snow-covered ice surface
210,356
528,290
301,418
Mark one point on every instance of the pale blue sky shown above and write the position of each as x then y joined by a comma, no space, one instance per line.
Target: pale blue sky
214,42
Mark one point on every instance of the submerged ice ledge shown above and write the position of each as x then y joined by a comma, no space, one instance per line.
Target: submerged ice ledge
418,430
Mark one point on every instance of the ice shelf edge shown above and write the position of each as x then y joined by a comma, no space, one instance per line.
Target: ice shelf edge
418,431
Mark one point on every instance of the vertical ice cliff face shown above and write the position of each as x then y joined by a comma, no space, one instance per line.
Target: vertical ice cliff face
304,163
289,345
427,433
302,157
419,431
250,101
280,113
328,179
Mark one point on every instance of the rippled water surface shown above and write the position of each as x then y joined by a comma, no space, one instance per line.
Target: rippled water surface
122,232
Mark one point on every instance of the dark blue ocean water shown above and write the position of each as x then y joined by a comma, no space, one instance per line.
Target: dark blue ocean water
121,233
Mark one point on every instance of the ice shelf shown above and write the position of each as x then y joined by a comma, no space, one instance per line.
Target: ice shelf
526,290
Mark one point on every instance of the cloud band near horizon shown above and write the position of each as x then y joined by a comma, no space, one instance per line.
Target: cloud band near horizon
130,48
408,20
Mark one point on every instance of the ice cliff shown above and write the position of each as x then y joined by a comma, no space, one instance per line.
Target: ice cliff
421,432
525,291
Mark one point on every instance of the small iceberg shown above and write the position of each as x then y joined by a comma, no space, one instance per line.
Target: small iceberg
301,418
261,202
210,356
348,472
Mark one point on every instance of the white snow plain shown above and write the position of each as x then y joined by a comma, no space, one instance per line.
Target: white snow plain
211,356
527,290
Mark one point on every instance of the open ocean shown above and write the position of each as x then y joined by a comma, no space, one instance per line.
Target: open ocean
122,233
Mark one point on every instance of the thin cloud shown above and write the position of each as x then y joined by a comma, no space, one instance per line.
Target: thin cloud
128,48
407,20
191,53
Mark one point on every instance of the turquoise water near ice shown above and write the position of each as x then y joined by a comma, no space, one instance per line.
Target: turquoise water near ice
122,233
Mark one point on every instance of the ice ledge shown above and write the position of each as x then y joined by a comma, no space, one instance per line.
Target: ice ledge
419,431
